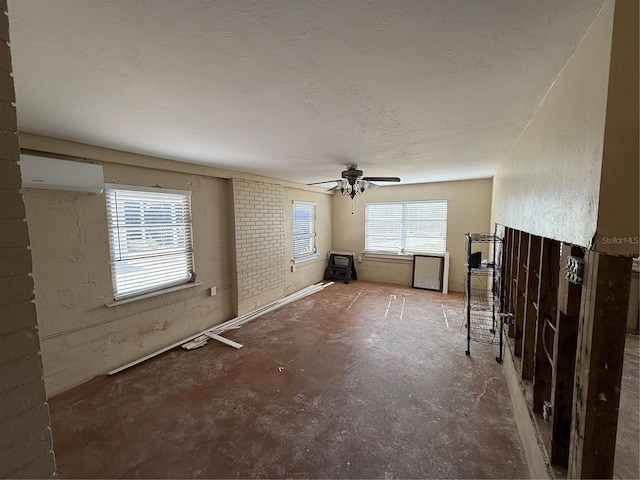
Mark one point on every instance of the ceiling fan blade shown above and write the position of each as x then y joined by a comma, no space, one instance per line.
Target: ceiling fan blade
382,179
372,186
326,181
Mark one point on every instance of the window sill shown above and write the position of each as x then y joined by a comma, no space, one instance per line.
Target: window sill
308,258
389,256
157,293
399,256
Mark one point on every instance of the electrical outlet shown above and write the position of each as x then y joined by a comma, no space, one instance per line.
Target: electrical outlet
213,291
359,259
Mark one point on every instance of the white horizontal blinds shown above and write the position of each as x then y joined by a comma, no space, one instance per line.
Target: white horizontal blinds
304,229
383,227
426,227
150,239
406,227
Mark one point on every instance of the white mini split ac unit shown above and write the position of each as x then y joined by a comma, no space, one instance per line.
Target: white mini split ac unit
54,174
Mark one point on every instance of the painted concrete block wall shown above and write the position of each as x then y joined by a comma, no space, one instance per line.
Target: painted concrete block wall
81,337
26,446
312,271
468,210
618,215
549,184
259,240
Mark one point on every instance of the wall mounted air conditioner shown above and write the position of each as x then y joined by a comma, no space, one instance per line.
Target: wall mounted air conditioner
54,174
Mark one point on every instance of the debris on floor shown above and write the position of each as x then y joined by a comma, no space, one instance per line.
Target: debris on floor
200,339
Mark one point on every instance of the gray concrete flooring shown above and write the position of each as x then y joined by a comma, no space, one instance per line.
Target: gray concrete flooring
364,380
627,461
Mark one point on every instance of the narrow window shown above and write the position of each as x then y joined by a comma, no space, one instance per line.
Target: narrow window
304,231
150,239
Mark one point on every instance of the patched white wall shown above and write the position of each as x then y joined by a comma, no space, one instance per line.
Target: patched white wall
549,184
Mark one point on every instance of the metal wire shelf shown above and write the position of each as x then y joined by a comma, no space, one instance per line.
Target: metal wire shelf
485,271
483,237
481,299
483,305
482,328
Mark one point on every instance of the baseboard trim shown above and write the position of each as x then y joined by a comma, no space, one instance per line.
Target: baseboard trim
534,451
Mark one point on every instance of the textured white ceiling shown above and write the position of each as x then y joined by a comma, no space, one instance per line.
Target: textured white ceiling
427,90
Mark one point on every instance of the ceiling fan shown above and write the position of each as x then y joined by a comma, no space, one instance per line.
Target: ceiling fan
354,183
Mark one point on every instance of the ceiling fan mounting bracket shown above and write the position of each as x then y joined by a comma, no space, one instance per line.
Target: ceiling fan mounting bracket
352,173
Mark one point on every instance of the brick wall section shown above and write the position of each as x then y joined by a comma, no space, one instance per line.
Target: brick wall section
26,449
259,231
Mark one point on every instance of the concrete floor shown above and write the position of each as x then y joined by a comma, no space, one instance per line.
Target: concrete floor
363,380
627,461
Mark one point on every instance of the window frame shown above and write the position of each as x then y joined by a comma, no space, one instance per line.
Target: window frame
403,250
310,236
157,246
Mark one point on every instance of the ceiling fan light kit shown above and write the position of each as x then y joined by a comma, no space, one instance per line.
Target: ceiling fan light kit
358,187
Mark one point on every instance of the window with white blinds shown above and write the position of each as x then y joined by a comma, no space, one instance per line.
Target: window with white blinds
406,227
304,230
149,238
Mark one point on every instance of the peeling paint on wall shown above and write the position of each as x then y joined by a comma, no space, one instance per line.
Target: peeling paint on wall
81,337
